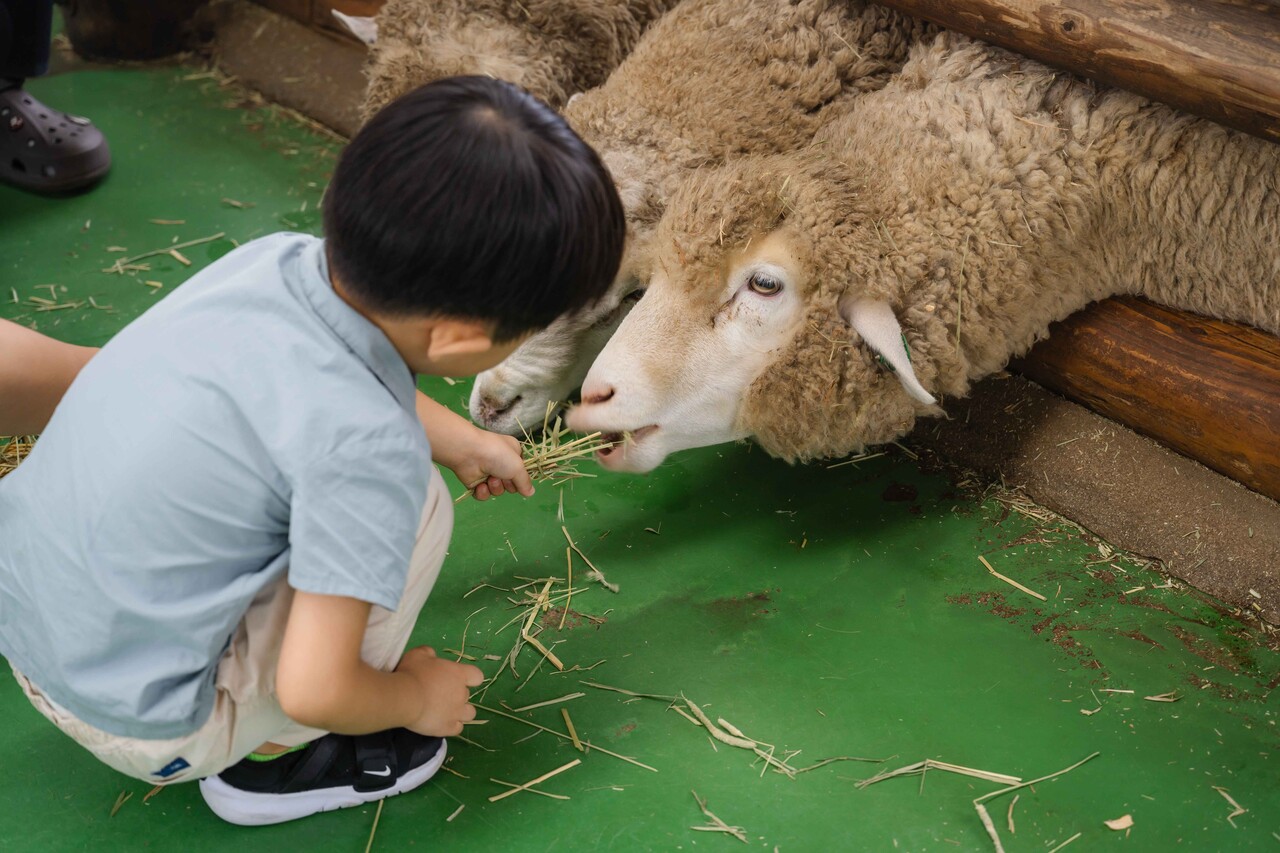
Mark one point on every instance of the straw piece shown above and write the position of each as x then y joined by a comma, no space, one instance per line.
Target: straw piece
123,798
120,265
563,736
377,816
1239,809
157,789
717,825
547,653
989,825
568,557
824,762
564,698
456,812
1122,822
1065,843
530,790
628,692
595,574
544,777
12,453
920,767
1014,802
1010,581
1171,696
573,733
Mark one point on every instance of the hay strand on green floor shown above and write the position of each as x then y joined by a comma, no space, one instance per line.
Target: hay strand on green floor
123,798
717,825
921,767
588,744
1011,581
986,818
122,264
1239,809
527,785
377,816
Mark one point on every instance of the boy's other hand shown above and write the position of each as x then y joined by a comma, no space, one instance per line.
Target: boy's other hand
446,693
495,463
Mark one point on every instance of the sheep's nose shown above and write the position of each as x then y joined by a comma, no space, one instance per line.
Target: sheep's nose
593,395
491,408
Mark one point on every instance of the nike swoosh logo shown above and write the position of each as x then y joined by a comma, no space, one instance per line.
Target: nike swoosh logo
386,771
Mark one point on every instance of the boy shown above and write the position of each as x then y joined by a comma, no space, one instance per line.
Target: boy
212,561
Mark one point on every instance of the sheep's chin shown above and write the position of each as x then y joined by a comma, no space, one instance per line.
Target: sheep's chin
643,451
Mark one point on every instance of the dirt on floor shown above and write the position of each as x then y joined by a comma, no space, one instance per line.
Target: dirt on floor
1204,528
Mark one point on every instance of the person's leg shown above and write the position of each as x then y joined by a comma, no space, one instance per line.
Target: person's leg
41,149
289,770
35,371
25,29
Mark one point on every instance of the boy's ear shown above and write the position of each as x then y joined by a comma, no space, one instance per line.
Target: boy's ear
455,337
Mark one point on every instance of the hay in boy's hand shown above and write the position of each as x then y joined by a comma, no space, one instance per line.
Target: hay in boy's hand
549,456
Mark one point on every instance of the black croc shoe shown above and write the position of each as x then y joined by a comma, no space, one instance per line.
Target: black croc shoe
334,772
47,151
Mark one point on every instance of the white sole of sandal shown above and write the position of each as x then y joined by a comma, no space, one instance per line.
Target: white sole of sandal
246,808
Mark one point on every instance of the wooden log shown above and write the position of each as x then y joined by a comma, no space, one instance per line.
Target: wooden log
1216,58
1208,389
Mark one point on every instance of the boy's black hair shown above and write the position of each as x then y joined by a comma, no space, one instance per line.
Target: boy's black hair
468,197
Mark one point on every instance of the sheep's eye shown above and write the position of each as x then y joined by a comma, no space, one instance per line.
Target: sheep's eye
764,285
633,296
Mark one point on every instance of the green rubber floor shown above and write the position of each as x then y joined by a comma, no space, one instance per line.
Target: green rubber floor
824,612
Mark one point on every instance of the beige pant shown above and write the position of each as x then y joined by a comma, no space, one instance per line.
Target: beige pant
246,713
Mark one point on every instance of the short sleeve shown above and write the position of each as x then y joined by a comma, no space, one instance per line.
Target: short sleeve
354,520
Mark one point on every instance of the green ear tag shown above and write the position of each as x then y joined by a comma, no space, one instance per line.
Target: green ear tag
889,367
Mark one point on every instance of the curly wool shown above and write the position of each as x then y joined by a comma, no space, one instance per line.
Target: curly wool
720,78
553,48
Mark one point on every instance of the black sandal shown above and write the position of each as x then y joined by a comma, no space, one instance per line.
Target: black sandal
47,151
333,772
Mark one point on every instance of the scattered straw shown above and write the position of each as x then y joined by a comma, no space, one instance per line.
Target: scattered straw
14,450
590,746
1010,581
377,816
1014,802
986,818
120,265
824,762
1120,823
157,789
526,786
595,574
456,812
717,825
1231,818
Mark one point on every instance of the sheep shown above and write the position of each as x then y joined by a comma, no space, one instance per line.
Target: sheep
710,80
819,302
553,48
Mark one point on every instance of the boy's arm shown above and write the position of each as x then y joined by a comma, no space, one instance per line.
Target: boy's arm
322,682
473,454
35,371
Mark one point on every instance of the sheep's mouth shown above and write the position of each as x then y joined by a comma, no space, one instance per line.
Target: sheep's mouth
621,441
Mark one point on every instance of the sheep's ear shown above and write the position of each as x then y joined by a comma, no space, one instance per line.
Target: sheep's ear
876,323
365,29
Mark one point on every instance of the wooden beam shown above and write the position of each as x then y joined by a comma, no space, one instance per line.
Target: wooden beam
1216,58
1208,389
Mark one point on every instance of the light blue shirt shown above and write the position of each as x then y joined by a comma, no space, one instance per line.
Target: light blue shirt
249,425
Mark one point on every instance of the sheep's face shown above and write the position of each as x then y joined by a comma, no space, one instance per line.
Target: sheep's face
757,273
674,374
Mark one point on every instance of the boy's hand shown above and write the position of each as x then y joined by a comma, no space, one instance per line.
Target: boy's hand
495,463
489,462
446,698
